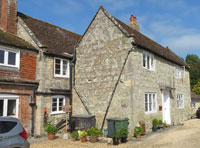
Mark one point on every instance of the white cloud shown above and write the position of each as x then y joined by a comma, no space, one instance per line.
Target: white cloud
183,44
166,28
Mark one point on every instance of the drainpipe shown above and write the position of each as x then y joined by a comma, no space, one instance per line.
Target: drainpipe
32,103
70,88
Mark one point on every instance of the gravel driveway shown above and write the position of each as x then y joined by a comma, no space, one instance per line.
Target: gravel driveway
186,136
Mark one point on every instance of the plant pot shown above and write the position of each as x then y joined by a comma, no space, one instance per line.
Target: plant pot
51,136
115,141
83,139
123,139
138,137
154,128
93,139
74,139
164,126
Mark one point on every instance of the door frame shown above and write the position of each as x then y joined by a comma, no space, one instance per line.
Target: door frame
163,112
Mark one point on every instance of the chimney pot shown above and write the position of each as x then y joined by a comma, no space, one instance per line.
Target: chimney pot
133,23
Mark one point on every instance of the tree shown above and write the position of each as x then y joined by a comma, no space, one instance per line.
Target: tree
194,62
196,88
192,59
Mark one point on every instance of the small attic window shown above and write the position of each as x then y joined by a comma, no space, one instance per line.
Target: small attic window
9,58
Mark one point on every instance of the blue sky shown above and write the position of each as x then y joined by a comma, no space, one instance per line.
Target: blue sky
172,23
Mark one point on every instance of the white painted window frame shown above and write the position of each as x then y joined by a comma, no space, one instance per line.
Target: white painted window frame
7,97
61,68
151,61
148,101
178,72
180,97
57,97
17,59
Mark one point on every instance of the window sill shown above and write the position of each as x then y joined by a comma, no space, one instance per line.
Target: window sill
64,77
57,113
149,69
151,112
181,108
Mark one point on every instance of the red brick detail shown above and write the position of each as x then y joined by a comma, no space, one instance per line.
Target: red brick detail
8,15
24,112
28,66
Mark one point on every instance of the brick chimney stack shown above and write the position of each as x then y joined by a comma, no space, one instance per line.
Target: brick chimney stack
133,23
8,15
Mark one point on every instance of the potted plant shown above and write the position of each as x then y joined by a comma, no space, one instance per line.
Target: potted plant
164,124
93,133
51,131
115,137
74,136
160,124
138,131
123,133
155,125
83,136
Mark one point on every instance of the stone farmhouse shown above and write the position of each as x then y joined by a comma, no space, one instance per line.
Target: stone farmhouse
35,68
120,72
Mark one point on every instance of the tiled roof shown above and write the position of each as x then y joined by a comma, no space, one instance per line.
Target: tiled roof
194,95
9,39
144,42
57,40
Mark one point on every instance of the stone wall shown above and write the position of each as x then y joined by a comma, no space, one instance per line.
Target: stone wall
100,58
101,54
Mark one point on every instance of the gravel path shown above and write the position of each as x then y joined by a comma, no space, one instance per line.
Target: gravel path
186,136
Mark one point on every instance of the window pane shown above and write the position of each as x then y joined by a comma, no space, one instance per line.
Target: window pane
54,104
11,110
146,106
11,58
57,66
146,98
2,56
1,107
148,62
60,104
144,60
65,64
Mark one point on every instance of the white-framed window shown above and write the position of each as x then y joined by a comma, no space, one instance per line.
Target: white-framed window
148,61
57,103
9,105
61,67
150,103
180,101
178,72
9,58
193,104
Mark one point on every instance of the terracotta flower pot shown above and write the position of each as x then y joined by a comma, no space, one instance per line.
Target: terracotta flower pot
51,136
83,139
138,137
74,139
93,139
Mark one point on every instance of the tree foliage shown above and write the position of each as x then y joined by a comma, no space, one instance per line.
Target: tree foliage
196,88
192,59
194,62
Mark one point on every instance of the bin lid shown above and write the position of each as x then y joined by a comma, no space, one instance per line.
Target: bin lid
117,119
82,116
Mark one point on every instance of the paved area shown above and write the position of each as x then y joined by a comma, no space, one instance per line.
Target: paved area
185,136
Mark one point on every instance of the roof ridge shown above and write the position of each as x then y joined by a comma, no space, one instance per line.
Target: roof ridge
20,14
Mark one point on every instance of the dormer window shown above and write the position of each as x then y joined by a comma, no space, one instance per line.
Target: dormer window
148,61
61,68
9,58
